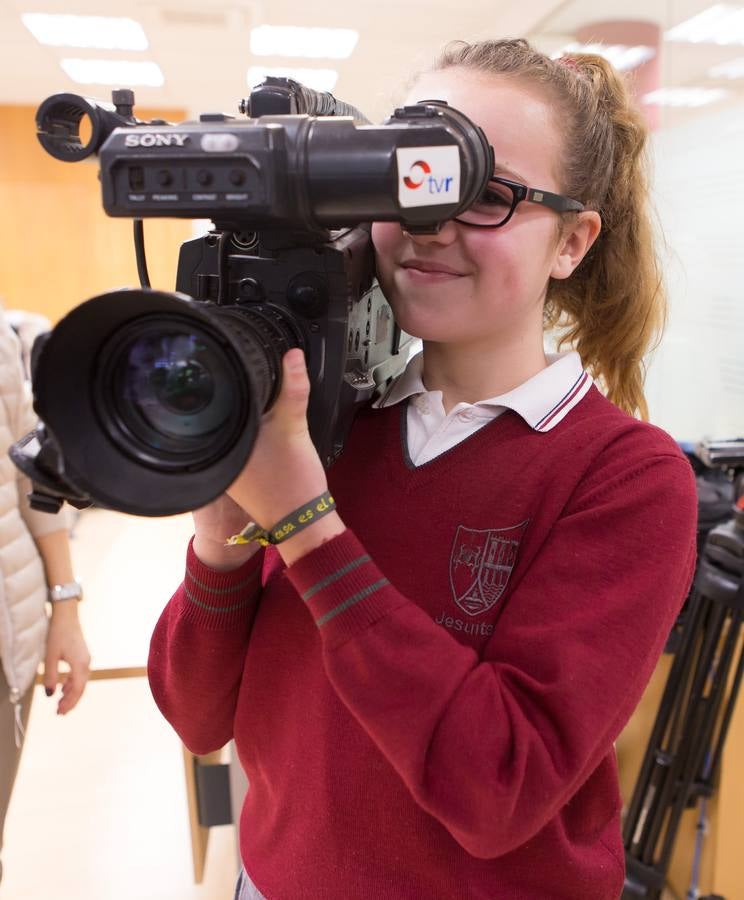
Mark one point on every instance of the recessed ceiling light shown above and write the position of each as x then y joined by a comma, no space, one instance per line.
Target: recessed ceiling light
734,68
719,24
318,79
114,72
685,96
622,56
100,32
315,43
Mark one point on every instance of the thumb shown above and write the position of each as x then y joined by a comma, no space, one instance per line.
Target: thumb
291,404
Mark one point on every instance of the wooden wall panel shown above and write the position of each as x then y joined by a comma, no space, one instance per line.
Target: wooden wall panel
57,246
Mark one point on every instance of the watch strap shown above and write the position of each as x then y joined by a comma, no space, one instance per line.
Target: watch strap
71,590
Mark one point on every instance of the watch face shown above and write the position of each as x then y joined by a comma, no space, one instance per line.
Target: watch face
66,591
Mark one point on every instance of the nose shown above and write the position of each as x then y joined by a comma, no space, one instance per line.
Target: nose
447,234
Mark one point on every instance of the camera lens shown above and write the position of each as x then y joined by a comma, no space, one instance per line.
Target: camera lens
155,399
169,393
180,386
175,384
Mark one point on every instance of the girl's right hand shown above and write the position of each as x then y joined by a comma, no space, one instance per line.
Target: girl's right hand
213,525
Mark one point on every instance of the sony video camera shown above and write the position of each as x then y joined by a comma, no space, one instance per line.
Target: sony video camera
150,401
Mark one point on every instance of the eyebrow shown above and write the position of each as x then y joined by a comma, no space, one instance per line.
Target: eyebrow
509,173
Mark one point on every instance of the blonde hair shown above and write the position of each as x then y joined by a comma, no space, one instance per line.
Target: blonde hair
612,309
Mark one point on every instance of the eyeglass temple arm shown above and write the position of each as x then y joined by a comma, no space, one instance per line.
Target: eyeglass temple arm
554,201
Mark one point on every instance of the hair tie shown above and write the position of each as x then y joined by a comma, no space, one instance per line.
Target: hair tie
569,62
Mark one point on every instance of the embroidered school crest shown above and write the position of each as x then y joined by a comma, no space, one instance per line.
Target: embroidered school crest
480,565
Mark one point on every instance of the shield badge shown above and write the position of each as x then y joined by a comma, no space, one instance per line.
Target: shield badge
481,562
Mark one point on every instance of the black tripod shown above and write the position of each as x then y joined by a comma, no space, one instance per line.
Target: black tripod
684,751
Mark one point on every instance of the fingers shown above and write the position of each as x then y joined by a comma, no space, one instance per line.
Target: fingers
72,689
51,677
73,682
290,409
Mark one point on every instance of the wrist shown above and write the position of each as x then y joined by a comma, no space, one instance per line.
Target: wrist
293,548
64,611
215,555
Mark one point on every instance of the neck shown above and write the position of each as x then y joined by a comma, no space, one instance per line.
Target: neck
467,374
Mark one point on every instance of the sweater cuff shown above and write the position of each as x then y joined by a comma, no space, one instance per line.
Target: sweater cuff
215,599
343,589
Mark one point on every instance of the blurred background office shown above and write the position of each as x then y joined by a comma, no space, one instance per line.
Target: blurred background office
122,821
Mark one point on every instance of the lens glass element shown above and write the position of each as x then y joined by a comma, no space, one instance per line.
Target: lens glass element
173,388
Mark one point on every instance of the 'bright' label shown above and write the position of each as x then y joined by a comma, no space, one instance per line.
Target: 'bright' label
428,176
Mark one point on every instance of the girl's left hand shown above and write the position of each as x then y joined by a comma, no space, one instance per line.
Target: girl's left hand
284,470
65,642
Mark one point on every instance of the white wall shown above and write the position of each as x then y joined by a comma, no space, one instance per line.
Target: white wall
696,379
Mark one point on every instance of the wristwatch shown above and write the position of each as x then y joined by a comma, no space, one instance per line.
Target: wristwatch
72,590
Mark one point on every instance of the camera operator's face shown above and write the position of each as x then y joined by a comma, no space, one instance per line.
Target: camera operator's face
464,284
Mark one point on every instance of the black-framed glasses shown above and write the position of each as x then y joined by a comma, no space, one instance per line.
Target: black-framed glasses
500,198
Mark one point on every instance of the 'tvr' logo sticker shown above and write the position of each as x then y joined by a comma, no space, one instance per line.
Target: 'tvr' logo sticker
424,170
428,176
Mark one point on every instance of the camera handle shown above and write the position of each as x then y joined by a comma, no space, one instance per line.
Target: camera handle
284,96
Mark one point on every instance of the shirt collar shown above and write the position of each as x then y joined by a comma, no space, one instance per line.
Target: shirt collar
542,401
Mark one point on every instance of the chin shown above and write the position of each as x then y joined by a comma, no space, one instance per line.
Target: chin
423,327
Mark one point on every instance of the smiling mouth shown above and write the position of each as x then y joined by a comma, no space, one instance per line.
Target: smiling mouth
432,269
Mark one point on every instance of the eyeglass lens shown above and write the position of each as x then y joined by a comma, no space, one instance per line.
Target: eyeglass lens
493,207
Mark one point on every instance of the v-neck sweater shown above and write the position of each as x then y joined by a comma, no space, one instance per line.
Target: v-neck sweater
426,705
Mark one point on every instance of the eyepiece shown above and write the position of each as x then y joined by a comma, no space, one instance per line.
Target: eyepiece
70,127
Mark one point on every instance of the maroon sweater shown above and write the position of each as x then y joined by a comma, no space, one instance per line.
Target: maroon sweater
426,705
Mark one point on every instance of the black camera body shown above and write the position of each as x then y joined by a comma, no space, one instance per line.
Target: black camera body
302,161
150,401
293,171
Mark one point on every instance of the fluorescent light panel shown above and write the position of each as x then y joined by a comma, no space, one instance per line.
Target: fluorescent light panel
623,57
719,24
685,96
318,79
100,32
734,68
114,72
313,43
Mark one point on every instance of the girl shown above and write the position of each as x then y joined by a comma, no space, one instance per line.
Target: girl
425,684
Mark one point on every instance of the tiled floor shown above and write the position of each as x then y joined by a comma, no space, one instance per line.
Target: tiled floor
99,811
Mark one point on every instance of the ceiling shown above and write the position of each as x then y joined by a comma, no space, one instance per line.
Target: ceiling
203,47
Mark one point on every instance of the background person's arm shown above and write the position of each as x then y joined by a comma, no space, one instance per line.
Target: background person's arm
65,641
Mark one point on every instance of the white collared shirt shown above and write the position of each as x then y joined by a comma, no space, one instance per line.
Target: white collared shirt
542,401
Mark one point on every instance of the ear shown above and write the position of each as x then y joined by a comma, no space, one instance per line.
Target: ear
575,242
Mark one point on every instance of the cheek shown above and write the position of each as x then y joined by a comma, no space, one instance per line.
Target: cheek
386,239
511,262
492,257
